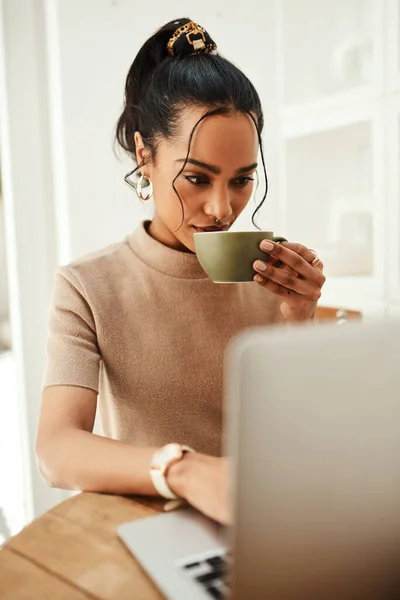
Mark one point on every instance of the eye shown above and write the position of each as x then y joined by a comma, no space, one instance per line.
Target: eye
197,179
242,181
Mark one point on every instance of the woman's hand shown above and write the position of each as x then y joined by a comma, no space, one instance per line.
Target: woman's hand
297,280
204,482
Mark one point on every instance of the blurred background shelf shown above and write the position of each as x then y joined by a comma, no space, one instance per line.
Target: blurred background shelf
309,119
338,108
329,48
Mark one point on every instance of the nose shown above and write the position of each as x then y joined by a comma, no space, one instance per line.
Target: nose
219,205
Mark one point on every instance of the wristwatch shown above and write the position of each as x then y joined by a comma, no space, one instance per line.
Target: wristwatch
161,461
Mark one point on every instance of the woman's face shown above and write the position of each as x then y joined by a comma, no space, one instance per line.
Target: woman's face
216,182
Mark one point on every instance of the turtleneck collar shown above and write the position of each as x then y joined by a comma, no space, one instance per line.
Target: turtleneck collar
162,258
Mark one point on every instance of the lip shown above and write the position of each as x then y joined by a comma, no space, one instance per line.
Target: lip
211,228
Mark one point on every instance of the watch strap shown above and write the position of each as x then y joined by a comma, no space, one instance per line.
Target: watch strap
160,483
159,479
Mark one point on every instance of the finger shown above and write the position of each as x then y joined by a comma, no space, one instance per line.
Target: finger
317,262
309,255
304,287
290,253
296,256
275,288
287,269
274,248
278,264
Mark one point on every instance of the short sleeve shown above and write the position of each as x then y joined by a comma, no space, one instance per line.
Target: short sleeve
72,353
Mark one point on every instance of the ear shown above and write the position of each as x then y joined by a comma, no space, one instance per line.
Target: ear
142,155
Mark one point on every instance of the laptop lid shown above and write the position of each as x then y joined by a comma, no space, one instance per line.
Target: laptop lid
314,420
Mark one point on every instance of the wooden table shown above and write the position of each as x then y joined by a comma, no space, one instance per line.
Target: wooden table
73,553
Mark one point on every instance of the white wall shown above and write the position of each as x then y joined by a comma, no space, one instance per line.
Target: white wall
3,273
29,228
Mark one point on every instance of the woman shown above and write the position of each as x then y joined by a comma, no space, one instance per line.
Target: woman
139,323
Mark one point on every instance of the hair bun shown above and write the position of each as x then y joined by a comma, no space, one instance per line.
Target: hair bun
190,38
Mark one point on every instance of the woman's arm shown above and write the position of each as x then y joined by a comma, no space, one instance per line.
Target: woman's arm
70,456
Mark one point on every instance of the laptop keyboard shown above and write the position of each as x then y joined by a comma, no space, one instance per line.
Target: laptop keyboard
211,572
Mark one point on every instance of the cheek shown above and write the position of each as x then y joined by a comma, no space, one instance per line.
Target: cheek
166,201
241,197
163,190
192,196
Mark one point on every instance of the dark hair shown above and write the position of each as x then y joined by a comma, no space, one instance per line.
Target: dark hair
158,85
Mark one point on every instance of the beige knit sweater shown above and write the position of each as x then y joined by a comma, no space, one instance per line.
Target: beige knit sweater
145,327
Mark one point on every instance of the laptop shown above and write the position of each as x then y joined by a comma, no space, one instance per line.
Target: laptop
313,422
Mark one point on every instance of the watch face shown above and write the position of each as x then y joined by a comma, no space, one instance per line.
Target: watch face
165,455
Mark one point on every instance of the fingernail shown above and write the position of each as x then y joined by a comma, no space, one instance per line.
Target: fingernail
267,245
258,278
260,265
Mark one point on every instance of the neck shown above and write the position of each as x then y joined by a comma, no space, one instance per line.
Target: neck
162,234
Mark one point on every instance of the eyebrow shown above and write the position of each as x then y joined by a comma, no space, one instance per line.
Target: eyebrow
213,169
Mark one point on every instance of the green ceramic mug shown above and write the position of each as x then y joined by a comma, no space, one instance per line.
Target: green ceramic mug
228,256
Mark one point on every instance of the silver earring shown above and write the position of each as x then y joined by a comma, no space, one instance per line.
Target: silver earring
139,189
